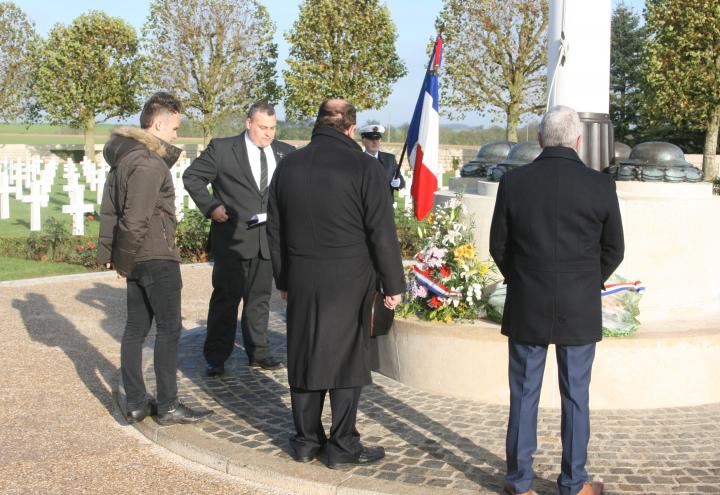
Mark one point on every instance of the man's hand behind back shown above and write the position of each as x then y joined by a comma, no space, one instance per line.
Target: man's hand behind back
392,301
219,214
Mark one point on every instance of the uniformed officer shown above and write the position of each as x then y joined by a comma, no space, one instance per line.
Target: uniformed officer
371,135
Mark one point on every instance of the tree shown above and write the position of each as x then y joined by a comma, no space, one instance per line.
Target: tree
343,49
216,56
495,56
682,68
89,72
18,42
626,53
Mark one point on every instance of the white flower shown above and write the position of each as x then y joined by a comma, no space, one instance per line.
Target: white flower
451,236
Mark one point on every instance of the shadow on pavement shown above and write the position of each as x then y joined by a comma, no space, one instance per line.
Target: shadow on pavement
46,326
111,301
260,399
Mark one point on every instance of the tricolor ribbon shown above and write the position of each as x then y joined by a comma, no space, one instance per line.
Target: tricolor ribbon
636,286
423,277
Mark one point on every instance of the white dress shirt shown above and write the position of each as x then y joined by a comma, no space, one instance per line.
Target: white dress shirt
254,158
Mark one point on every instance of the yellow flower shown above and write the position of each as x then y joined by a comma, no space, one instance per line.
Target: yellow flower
484,268
464,251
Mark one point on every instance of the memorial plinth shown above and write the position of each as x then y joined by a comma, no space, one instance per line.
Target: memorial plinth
672,238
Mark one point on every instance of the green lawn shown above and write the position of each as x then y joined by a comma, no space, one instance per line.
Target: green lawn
17,268
18,225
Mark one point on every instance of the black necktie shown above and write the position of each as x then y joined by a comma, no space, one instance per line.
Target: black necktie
263,170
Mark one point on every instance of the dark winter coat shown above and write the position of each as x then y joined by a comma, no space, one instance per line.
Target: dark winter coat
556,236
137,215
224,164
331,229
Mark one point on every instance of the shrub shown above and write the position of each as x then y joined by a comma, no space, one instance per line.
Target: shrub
192,236
409,231
83,253
55,234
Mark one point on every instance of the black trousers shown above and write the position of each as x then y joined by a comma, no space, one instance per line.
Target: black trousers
235,279
344,442
153,292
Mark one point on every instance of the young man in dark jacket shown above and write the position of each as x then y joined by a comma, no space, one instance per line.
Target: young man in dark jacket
137,238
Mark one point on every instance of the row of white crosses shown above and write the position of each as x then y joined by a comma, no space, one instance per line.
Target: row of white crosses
17,177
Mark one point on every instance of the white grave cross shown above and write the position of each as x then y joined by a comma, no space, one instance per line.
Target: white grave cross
35,198
77,208
18,180
5,191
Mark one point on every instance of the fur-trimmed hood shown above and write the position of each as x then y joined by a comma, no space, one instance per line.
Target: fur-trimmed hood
125,139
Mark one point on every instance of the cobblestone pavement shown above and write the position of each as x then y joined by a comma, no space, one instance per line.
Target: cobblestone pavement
433,440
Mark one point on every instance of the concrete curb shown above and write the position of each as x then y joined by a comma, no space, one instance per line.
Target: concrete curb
235,460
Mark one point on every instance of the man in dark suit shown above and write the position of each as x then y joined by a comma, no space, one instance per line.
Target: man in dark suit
329,218
239,169
371,135
556,236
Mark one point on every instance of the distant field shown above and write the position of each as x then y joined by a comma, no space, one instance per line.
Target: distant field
45,134
100,129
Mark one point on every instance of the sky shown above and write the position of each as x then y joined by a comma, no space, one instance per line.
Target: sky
415,21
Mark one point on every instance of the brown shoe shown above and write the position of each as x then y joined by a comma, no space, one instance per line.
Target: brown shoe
594,488
509,491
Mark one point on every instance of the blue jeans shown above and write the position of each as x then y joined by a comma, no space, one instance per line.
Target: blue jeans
153,292
526,366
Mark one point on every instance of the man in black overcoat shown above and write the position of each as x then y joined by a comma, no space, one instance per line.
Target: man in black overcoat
556,236
239,169
370,136
332,236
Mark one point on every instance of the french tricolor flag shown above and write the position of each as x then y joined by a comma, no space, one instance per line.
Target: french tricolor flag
423,141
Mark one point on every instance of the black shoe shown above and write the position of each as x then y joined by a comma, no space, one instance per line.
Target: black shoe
314,454
215,370
181,414
142,412
268,363
368,455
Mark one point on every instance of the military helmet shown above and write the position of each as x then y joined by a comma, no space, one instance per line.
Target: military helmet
489,154
693,174
658,154
493,152
622,152
473,169
522,153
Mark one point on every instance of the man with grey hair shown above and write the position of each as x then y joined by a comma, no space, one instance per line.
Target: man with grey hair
556,237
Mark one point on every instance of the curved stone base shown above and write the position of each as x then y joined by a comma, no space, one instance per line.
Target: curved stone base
664,366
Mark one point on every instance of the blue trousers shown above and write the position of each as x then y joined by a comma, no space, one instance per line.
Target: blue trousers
527,363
